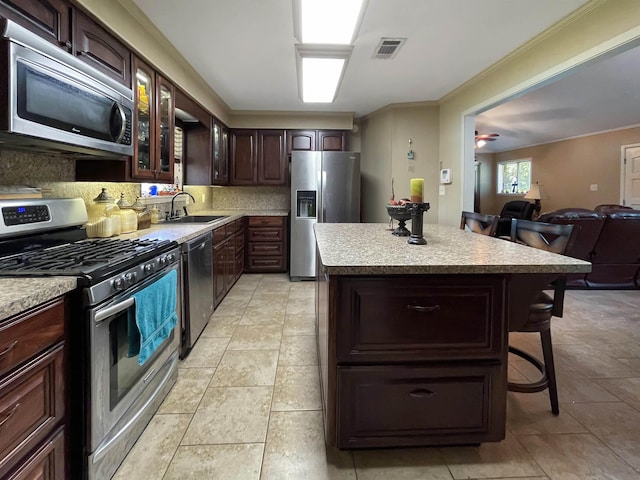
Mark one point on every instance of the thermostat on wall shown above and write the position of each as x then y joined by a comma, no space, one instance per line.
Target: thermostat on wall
445,175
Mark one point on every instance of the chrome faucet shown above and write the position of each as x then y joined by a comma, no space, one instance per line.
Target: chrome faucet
174,214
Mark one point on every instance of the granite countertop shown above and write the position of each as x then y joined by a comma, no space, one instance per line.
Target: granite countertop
371,249
18,294
183,232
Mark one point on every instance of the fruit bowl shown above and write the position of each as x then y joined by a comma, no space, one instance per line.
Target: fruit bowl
400,213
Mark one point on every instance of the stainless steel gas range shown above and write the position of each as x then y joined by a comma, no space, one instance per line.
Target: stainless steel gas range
125,375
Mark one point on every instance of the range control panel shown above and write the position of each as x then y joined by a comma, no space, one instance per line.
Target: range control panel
21,215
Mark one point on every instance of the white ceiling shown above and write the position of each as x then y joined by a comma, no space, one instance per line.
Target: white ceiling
602,96
245,49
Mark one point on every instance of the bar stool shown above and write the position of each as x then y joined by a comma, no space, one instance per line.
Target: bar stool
479,223
552,238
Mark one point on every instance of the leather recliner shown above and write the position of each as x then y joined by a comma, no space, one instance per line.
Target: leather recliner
520,209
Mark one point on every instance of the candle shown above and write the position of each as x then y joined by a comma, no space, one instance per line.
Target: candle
417,187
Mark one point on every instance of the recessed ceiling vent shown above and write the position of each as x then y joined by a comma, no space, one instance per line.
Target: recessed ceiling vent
388,47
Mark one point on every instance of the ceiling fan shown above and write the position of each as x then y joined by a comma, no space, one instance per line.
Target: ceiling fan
482,139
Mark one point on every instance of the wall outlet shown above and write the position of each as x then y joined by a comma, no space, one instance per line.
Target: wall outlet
202,199
441,190
593,187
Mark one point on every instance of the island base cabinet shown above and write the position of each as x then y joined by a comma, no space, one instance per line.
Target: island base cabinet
410,406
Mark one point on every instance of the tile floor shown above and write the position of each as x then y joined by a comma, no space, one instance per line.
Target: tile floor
247,402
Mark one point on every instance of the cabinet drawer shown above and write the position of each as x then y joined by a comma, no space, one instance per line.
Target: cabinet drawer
265,264
266,221
266,234
419,405
27,334
47,463
265,248
219,234
31,405
420,319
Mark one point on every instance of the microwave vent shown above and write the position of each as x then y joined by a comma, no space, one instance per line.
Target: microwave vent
388,47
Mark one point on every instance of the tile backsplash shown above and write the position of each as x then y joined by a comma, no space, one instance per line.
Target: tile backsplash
56,177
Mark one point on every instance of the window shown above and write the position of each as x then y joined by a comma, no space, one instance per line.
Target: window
514,177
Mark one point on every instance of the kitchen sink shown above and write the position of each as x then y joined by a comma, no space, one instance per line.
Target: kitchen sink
197,218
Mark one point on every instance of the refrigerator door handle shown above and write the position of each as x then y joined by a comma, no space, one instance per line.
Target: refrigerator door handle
323,182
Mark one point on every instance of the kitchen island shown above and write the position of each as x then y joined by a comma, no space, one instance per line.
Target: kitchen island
412,339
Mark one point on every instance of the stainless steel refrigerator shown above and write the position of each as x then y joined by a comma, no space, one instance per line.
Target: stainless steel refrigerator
325,188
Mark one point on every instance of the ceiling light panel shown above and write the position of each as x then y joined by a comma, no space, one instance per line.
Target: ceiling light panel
329,21
320,79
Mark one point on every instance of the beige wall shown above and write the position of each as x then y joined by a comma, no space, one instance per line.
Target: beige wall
567,169
385,144
601,26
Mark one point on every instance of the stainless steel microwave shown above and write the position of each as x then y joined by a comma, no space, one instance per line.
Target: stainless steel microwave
57,103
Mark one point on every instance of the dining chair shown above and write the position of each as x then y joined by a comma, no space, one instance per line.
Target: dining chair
479,223
552,238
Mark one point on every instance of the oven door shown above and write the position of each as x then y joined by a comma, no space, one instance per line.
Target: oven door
118,385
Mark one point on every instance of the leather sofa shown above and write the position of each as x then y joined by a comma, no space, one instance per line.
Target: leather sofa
606,237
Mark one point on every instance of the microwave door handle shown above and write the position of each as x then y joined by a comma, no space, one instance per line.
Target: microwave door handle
113,309
123,121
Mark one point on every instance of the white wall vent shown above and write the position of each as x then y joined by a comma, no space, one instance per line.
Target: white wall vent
388,47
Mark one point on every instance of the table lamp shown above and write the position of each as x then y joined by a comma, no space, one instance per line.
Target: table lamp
535,193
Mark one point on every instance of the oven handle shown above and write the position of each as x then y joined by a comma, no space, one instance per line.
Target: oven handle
105,313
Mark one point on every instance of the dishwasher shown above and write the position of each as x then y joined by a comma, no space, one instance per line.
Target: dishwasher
197,288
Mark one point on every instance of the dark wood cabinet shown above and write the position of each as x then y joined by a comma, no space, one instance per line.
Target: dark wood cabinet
310,140
33,393
226,249
301,140
244,157
51,19
412,360
69,28
220,160
266,246
272,161
258,157
153,129
97,47
332,140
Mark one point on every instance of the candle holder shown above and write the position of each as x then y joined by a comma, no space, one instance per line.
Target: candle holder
417,210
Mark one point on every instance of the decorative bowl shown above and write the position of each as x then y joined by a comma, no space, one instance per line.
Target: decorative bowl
400,213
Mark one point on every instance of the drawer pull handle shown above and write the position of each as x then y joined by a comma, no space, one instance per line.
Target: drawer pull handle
421,393
419,308
9,348
10,414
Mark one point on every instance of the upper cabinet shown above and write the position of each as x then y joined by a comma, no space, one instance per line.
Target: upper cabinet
272,160
97,47
332,140
153,130
244,157
304,140
309,140
220,154
258,157
74,31
48,18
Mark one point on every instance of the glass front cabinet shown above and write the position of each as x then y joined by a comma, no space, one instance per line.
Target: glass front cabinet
153,152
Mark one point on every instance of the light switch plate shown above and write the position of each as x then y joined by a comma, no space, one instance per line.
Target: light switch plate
441,190
593,187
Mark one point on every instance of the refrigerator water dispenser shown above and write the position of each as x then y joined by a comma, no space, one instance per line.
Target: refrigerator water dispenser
306,203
